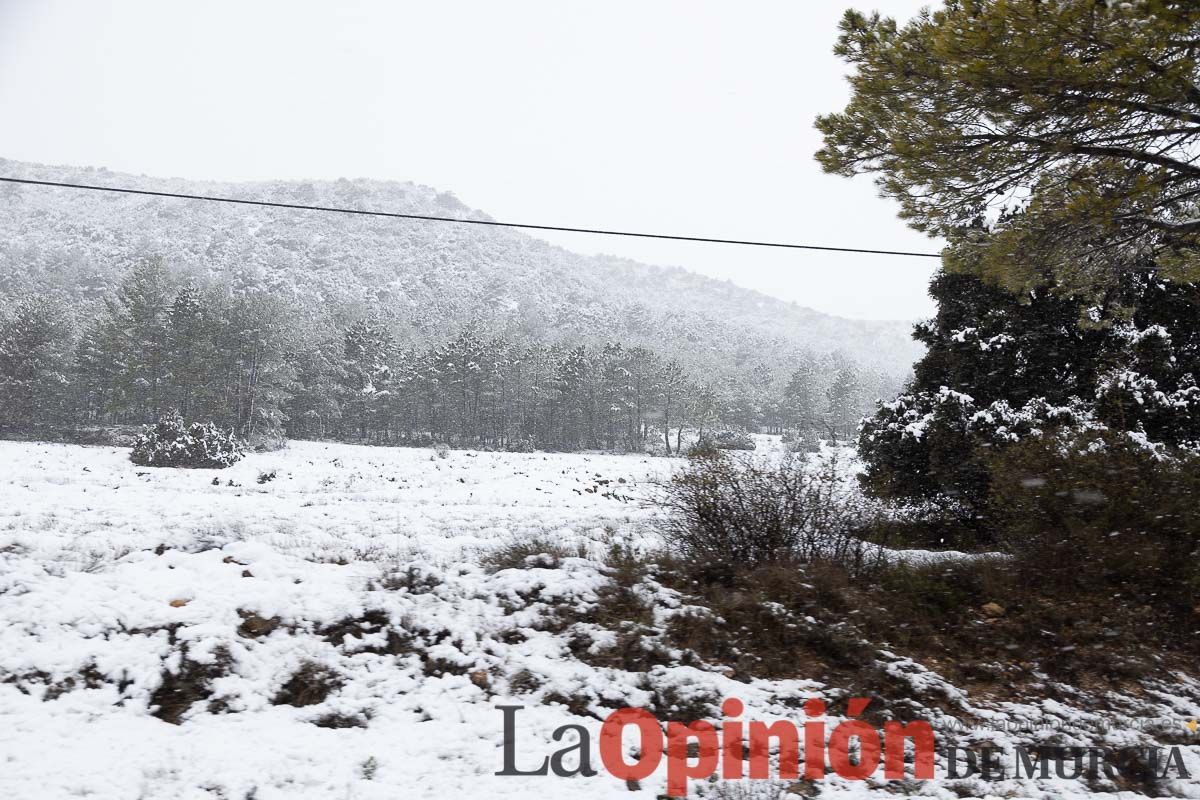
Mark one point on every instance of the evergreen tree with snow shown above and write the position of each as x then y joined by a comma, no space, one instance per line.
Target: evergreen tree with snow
802,399
843,397
1052,145
367,377
191,354
136,328
36,343
1049,143
1000,368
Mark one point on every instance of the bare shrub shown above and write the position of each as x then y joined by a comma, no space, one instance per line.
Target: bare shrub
532,552
738,513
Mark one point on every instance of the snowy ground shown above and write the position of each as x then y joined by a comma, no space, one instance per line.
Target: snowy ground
88,506
124,589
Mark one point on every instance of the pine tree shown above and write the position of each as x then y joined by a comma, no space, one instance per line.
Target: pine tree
137,329
258,346
998,370
843,397
36,342
575,383
191,355
672,384
368,350
616,400
644,366
1071,311
802,399
1086,114
98,370
315,408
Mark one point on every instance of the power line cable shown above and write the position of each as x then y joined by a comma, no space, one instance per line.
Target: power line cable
490,223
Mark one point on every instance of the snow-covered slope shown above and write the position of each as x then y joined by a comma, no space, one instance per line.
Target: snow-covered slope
330,632
431,278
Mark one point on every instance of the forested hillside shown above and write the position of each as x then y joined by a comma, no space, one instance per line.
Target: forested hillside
428,280
123,309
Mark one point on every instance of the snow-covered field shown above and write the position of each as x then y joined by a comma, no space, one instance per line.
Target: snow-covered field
84,507
153,623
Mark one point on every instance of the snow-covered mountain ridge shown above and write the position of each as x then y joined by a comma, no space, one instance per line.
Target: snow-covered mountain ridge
430,278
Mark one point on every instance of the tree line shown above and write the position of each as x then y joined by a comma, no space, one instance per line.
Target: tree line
265,368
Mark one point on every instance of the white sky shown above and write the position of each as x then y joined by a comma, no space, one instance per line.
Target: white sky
684,117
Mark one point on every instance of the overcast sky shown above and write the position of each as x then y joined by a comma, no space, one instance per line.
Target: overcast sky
692,118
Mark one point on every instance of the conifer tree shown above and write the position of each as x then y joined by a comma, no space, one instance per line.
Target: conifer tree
369,348
1050,143
36,340
1053,146
191,355
999,370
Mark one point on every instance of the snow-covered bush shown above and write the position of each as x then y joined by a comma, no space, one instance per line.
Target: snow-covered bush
704,448
730,440
172,443
1003,370
800,443
521,445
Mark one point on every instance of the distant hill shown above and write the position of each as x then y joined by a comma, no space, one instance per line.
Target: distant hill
430,279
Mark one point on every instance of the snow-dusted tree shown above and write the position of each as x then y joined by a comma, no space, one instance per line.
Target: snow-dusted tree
257,342
672,385
141,313
315,408
128,345
617,403
576,390
192,323
368,348
844,397
1000,370
1082,112
644,366
98,370
1053,146
463,370
36,342
803,399
704,408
